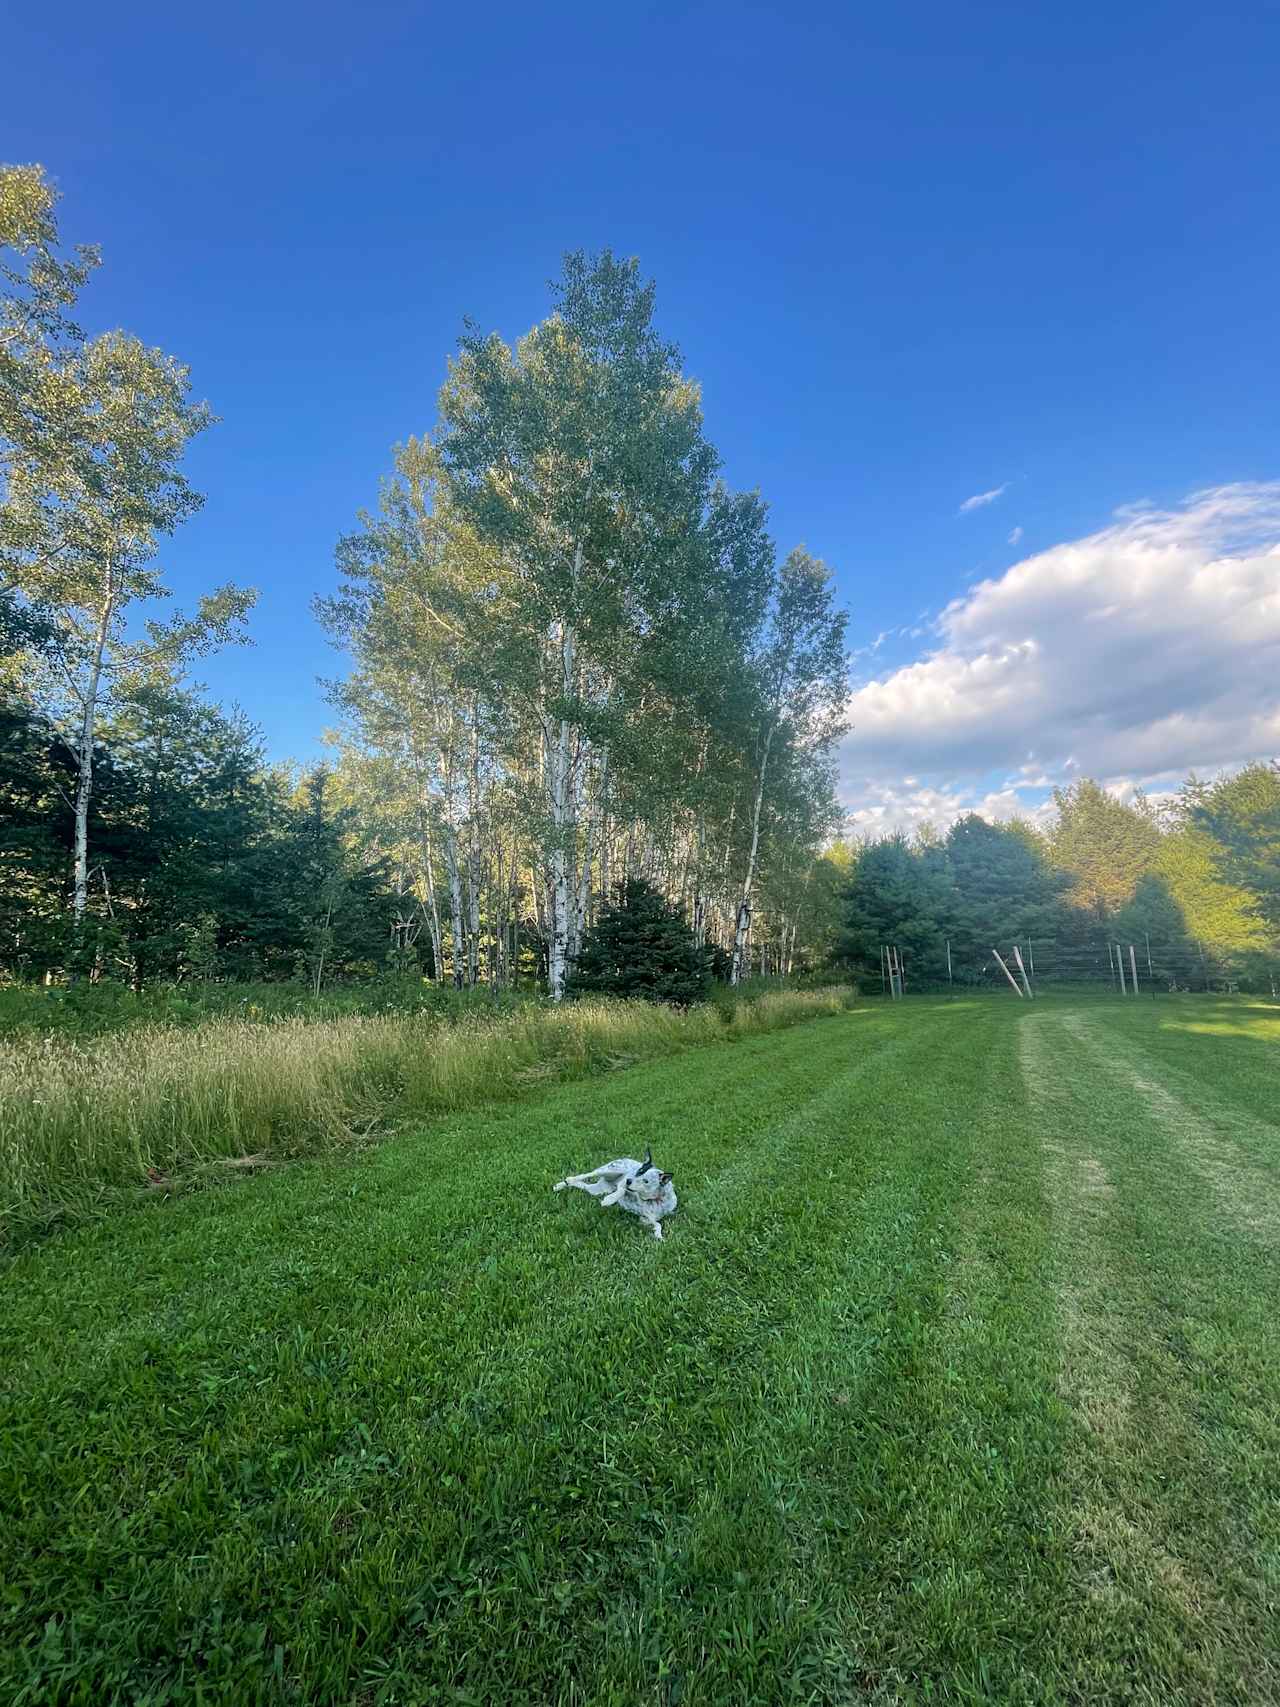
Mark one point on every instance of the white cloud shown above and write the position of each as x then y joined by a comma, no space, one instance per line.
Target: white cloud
1134,655
981,498
1015,536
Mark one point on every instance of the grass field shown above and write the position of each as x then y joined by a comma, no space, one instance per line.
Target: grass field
957,1379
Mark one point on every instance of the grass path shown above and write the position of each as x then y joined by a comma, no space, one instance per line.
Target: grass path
956,1379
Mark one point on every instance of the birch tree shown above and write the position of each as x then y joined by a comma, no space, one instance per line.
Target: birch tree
560,626
579,457
421,607
91,436
801,678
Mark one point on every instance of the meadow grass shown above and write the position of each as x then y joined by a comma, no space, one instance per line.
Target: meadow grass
86,1009
956,1379
83,1118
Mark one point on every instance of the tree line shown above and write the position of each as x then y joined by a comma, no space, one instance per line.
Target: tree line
577,660
1195,879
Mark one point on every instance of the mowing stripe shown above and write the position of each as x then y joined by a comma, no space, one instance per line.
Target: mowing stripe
1246,1195
1173,1562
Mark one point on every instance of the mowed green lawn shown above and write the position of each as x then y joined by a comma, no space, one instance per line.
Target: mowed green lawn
956,1379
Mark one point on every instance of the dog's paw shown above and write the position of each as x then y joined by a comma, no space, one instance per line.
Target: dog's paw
559,1185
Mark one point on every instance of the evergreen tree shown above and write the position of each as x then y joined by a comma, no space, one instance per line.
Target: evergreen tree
1221,915
1242,814
641,946
1005,888
337,901
1103,847
900,896
1152,915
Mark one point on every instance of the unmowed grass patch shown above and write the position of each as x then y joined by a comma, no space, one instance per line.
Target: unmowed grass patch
87,1009
82,1121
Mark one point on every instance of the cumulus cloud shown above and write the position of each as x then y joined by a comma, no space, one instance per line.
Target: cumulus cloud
981,498
1134,655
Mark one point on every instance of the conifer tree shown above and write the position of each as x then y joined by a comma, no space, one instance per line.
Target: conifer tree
641,946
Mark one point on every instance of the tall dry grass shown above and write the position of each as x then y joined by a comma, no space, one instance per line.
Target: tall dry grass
81,1121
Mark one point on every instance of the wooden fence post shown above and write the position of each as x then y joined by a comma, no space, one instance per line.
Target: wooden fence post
1009,975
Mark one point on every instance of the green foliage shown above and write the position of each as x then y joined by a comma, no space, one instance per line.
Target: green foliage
983,884
92,433
1242,815
1004,886
896,894
641,946
90,430
206,864
1152,913
1102,846
1215,911
1105,871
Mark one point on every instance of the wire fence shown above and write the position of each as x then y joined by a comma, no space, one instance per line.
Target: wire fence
1122,968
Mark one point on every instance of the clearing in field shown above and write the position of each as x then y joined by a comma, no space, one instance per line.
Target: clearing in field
956,1379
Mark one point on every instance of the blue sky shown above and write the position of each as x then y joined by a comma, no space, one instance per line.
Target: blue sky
914,254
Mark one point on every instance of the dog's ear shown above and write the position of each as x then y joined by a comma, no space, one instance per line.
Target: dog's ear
664,1179
647,1163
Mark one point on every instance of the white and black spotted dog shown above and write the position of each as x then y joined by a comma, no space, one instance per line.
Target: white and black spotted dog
641,1187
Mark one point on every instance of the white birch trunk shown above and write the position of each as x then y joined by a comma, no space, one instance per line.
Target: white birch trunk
592,843
743,925
455,906
473,852
454,874
558,949
84,782
433,903
559,757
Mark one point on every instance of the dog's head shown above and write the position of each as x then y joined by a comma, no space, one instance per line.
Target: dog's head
649,1181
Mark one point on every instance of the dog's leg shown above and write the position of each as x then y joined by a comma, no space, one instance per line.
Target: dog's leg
657,1229
580,1182
592,1184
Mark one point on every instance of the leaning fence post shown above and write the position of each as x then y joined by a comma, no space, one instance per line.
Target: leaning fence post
1026,982
1120,963
1133,967
1009,975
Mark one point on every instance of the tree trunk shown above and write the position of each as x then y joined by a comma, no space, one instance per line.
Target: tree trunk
591,845
473,851
84,784
744,905
455,905
433,904
559,757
